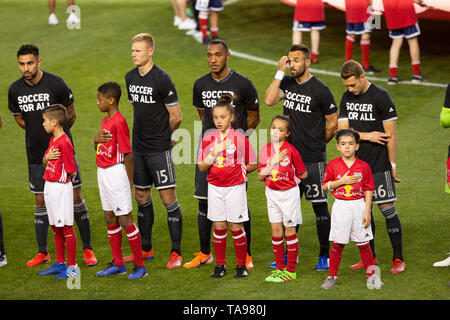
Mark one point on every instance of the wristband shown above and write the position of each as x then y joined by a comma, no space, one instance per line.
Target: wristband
393,165
329,186
279,75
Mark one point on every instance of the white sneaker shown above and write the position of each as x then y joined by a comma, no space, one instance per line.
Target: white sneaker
443,263
176,21
73,19
52,19
187,24
374,282
3,261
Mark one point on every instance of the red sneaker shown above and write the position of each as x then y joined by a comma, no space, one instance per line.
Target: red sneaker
146,255
174,261
398,266
38,259
360,264
89,257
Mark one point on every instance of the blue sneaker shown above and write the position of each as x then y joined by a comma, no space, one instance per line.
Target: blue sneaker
323,263
55,268
138,272
69,272
112,269
274,264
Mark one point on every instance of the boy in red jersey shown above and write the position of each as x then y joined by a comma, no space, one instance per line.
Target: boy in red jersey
59,163
227,156
114,174
281,168
350,180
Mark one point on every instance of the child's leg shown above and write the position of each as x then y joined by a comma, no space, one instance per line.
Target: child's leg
71,244
335,258
394,53
115,237
278,244
220,241
292,248
214,23
240,242
365,50
296,37
134,238
315,42
349,43
203,22
414,52
366,256
59,244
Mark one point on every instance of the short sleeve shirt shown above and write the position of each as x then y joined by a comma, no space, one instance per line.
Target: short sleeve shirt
309,11
58,170
399,13
356,11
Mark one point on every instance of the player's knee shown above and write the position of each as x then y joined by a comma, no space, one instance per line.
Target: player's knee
40,202
77,195
142,195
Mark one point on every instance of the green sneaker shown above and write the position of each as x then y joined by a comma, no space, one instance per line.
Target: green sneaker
275,276
287,276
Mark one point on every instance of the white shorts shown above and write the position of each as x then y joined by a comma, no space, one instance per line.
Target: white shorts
114,189
346,222
59,202
227,203
284,206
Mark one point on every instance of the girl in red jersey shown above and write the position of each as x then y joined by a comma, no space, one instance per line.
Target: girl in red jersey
227,156
350,180
281,168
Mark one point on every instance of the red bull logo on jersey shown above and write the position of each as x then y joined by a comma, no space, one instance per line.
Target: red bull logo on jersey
51,166
103,150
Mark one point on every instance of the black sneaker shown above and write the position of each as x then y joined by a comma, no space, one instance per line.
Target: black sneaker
219,272
417,78
206,40
371,70
393,80
241,272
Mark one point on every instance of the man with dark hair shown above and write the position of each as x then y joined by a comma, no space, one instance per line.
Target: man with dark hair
369,110
27,98
311,106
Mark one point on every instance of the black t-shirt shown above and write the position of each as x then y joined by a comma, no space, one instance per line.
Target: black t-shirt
207,91
29,101
307,104
365,113
150,94
447,97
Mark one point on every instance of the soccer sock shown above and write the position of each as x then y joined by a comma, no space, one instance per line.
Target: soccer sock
335,258
215,32
146,217
220,245
204,226
278,251
393,68
240,246
349,43
292,252
41,228
59,244
416,68
80,213
203,22
314,56
366,257
71,244
248,232
372,226
2,247
365,52
115,240
175,221
134,239
394,229
322,226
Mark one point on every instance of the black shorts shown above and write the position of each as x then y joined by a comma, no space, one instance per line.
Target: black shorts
155,169
36,172
311,187
201,185
384,187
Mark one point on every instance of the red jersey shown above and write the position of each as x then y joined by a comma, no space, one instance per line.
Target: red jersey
58,169
399,13
356,11
448,169
309,11
229,168
337,168
112,152
286,174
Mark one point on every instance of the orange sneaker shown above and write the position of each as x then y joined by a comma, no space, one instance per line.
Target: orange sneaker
89,257
38,259
249,262
174,261
146,255
398,266
200,258
360,264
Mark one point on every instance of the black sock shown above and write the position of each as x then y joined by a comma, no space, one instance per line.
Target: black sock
372,242
175,222
2,247
146,217
81,216
41,228
204,226
248,232
323,225
394,229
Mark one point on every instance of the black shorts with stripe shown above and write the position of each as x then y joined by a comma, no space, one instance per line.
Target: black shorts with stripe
154,169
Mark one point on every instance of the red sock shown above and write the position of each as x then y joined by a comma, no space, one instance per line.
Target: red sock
71,245
278,251
115,240
220,245
134,239
292,252
214,32
366,257
335,258
240,246
314,56
416,68
349,43
393,70
365,52
59,245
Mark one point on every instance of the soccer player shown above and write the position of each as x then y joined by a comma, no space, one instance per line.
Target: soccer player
357,15
309,16
59,165
281,168
227,156
310,105
207,89
350,180
156,115
209,9
53,19
114,175
27,98
401,20
369,110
